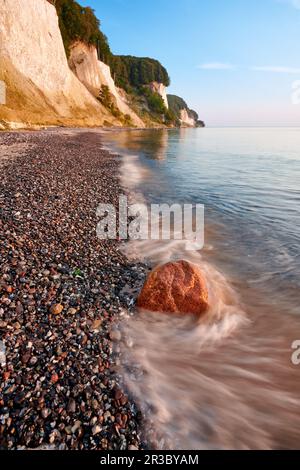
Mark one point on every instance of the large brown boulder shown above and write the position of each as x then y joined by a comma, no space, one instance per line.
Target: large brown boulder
175,287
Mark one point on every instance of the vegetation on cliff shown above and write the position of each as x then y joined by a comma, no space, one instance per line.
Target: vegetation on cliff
133,74
177,104
109,102
80,23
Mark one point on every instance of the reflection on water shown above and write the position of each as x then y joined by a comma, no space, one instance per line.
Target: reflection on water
229,382
154,147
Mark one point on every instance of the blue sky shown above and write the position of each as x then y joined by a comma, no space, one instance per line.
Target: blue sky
233,61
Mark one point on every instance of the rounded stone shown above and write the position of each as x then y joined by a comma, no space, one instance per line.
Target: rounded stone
176,287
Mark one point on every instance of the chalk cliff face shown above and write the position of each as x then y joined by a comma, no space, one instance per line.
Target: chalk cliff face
93,74
185,116
41,88
161,90
186,120
83,62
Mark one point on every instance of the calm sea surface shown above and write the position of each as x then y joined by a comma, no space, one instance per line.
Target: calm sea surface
249,182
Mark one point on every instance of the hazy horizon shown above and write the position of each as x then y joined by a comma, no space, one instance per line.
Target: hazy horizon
234,62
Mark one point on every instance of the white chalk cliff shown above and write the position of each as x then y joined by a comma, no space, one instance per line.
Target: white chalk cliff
161,90
41,88
185,119
93,74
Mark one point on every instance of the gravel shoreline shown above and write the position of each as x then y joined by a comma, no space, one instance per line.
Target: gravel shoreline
63,292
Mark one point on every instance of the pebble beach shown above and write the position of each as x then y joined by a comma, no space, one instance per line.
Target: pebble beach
62,295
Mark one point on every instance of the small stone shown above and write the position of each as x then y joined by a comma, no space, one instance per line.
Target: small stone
72,406
56,309
53,436
26,357
93,421
96,430
132,447
118,394
54,378
123,400
115,335
68,429
104,443
33,361
45,412
6,376
96,325
95,404
19,308
76,426
72,311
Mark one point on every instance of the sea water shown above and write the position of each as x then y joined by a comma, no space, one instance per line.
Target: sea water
229,382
